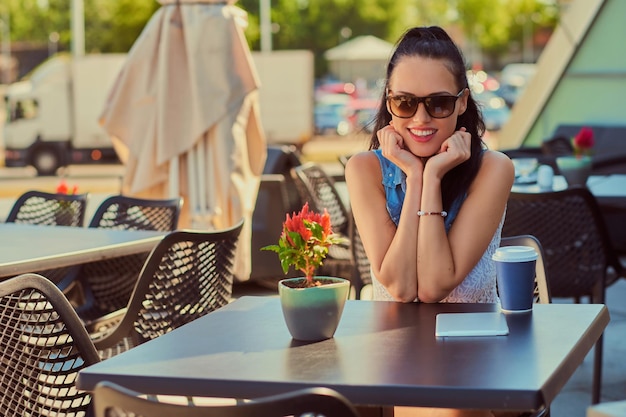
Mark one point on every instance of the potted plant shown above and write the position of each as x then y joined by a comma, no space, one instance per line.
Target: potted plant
577,168
65,213
312,305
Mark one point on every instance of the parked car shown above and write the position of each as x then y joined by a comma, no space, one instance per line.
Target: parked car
494,108
330,119
361,114
513,81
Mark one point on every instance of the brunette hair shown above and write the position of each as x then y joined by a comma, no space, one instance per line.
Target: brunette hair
434,42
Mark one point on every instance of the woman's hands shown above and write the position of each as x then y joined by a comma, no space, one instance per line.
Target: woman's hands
454,151
392,147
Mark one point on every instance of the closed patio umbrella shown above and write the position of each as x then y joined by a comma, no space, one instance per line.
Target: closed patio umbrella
183,116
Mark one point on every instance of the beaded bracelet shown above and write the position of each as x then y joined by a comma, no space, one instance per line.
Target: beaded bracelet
442,213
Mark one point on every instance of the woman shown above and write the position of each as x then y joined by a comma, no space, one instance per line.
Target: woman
428,198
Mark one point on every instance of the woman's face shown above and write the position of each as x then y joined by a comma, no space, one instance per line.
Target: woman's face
423,77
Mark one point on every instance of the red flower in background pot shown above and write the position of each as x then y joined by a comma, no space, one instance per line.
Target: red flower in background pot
583,142
63,188
304,242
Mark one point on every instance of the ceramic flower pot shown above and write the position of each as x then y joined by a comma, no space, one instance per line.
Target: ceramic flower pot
313,314
575,170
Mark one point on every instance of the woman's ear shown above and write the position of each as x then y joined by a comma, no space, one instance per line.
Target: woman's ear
463,101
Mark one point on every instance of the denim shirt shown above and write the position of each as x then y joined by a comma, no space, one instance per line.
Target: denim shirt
394,181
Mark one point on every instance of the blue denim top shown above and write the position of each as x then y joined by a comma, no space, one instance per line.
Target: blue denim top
394,181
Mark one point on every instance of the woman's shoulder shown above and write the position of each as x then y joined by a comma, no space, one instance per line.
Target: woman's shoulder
363,165
495,159
362,160
495,168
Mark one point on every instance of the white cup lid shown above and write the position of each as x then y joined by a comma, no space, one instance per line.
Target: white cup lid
515,254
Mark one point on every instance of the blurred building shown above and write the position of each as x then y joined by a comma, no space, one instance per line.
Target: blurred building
362,57
579,80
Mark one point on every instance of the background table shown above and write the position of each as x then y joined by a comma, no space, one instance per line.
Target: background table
28,248
383,354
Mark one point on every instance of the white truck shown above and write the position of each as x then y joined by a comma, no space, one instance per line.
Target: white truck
52,117
286,95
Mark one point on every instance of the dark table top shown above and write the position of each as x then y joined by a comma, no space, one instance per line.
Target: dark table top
28,248
383,354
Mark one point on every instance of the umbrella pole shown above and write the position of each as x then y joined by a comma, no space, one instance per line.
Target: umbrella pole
173,182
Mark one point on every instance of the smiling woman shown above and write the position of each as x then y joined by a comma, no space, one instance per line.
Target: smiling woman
428,184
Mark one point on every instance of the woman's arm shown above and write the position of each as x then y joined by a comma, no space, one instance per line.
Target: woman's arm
390,250
446,259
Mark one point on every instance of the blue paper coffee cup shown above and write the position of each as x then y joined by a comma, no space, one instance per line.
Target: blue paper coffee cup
515,275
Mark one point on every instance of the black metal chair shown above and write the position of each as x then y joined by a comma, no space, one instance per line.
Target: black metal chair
43,345
542,288
187,275
39,207
318,189
131,213
277,195
362,276
578,252
51,209
106,285
111,400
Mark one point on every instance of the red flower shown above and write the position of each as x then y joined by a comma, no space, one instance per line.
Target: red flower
583,141
63,188
305,240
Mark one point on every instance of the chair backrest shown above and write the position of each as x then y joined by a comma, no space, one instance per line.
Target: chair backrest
542,288
43,345
187,275
573,235
39,207
316,187
130,213
114,400
280,159
51,209
362,271
108,284
557,146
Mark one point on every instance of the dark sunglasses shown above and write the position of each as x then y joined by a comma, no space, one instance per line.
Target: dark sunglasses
438,107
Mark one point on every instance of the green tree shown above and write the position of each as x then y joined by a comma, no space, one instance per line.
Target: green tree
492,27
319,25
110,26
114,26
496,26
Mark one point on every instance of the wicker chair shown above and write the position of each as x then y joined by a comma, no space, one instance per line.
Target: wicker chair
318,189
362,276
50,209
114,400
43,345
39,207
577,249
106,286
187,275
